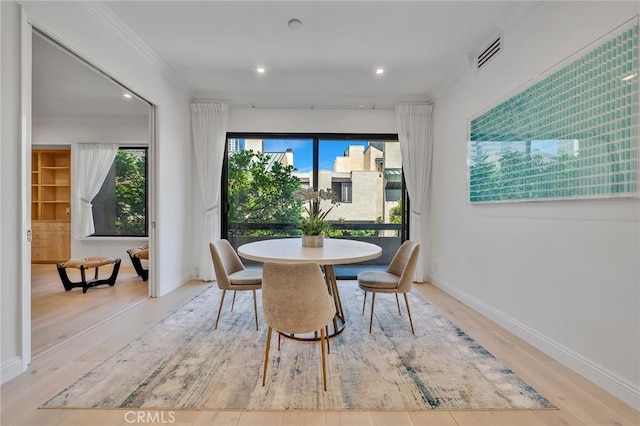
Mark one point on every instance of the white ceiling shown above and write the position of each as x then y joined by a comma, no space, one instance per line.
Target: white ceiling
63,85
214,47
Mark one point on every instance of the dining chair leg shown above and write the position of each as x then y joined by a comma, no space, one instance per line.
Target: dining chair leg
279,335
233,301
406,301
373,301
255,307
324,361
220,309
266,357
364,302
398,303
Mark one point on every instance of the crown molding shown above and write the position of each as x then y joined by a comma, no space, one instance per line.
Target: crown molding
125,33
91,118
310,101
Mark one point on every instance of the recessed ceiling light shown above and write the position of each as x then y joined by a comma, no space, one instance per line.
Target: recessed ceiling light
379,71
294,24
260,70
126,95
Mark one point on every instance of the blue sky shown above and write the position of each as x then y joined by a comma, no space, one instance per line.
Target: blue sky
303,151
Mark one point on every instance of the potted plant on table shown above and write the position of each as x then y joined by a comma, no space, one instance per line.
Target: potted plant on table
314,224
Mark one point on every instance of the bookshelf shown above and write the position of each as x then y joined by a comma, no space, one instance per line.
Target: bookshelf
50,205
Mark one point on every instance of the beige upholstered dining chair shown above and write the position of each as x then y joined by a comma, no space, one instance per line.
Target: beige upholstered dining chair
232,275
397,279
295,300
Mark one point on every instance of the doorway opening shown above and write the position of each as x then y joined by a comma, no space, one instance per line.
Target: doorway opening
73,104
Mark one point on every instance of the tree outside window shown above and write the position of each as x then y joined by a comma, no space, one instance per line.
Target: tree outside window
120,208
261,190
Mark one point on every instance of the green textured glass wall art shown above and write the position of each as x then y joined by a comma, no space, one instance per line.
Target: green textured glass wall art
571,134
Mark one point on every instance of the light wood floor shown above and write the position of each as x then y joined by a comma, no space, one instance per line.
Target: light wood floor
579,401
58,315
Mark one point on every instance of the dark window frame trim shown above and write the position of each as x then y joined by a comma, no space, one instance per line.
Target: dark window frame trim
316,138
146,198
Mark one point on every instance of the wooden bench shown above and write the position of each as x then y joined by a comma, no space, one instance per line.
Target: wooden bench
83,265
137,255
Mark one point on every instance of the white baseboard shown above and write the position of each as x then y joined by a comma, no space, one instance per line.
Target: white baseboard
11,369
602,377
166,289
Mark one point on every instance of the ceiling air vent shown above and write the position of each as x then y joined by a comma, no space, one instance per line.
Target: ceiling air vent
492,50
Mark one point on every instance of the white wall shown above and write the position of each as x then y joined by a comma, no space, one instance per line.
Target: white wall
312,120
10,222
565,275
65,130
78,27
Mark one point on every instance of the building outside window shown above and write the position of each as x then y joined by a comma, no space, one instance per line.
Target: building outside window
343,189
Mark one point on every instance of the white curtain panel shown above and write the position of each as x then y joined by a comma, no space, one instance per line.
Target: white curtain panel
209,134
415,132
92,162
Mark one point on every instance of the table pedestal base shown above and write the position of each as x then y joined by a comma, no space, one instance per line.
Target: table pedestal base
338,323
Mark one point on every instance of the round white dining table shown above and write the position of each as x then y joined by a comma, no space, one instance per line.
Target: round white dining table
335,251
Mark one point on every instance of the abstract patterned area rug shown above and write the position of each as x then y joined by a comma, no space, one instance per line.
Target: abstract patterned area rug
183,363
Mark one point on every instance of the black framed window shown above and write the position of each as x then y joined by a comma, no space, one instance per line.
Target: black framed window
342,190
363,172
120,207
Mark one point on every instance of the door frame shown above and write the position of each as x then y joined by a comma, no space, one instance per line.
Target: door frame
27,26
